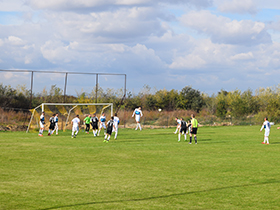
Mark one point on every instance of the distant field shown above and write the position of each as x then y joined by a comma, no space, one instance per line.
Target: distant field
229,168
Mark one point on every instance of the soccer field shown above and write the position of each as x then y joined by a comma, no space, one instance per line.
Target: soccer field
229,168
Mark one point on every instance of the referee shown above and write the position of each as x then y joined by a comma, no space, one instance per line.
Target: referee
194,125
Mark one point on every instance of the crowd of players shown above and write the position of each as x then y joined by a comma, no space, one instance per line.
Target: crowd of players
183,127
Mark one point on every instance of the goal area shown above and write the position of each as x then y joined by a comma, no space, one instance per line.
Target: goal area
66,112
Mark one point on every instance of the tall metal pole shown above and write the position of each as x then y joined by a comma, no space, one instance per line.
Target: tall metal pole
65,84
96,88
124,99
31,89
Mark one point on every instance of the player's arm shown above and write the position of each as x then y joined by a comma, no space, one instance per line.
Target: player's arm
141,113
133,113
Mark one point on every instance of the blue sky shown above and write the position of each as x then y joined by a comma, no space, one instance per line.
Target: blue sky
207,44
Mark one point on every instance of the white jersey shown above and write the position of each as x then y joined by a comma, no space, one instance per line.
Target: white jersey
266,126
137,112
179,122
56,119
116,121
42,121
76,122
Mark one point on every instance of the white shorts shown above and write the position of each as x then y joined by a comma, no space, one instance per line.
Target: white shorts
102,125
266,133
116,128
75,128
41,125
137,118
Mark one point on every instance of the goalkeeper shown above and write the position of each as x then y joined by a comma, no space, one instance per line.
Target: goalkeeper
87,123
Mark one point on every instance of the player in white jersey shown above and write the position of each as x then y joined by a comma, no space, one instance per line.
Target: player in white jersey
75,126
116,123
178,124
102,121
266,126
42,122
138,114
56,124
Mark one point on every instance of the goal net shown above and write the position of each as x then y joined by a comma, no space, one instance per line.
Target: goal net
66,112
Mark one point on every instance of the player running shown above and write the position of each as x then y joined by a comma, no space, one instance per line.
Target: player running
178,125
94,124
110,127
52,125
116,123
183,129
138,114
102,121
266,126
75,126
42,122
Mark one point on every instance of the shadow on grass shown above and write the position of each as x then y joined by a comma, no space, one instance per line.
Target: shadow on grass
162,196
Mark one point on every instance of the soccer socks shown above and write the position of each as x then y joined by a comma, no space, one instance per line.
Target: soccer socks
179,137
266,140
138,125
190,139
185,136
116,134
176,130
195,139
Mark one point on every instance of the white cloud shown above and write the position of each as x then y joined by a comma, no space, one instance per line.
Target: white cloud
224,30
238,6
243,56
13,40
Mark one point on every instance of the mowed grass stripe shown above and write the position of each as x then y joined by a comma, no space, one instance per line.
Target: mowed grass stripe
229,168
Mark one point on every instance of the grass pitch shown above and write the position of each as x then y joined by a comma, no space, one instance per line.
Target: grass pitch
229,168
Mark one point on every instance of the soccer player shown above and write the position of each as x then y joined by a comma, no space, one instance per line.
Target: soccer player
94,124
102,121
266,126
138,114
116,123
183,129
194,126
56,124
178,125
75,126
87,123
42,122
110,127
52,125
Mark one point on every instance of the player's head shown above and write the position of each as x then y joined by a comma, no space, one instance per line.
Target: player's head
112,117
103,114
181,118
94,114
77,116
176,118
139,107
89,115
56,114
53,115
265,119
116,114
192,116
43,113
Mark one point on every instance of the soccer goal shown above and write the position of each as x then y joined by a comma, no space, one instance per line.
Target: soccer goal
66,112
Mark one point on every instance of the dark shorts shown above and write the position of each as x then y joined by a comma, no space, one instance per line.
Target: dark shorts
94,126
52,126
184,129
194,131
109,131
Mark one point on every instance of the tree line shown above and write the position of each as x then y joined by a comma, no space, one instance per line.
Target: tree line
238,104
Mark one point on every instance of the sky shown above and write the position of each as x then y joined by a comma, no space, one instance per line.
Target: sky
210,45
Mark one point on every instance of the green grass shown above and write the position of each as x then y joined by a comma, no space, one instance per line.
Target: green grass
229,168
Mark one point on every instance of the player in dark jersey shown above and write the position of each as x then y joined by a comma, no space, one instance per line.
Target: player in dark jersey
94,124
52,125
110,127
183,129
